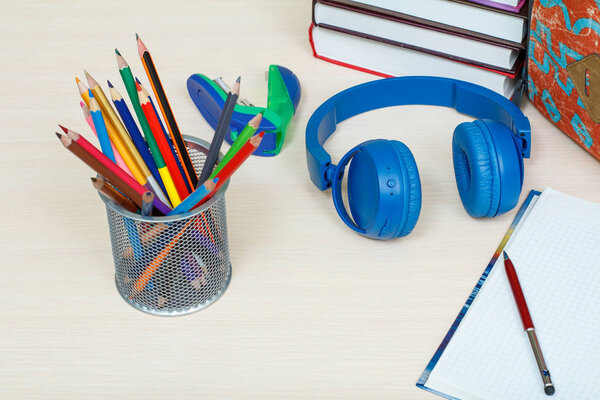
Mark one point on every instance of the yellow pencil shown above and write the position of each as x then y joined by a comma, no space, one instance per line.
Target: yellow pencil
122,141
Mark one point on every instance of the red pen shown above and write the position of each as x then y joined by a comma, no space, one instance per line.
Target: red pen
513,279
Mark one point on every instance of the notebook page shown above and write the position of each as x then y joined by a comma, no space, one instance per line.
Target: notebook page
556,252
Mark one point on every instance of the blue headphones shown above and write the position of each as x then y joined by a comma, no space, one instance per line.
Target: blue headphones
384,188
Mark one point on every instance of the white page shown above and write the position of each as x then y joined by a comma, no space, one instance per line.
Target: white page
475,19
556,252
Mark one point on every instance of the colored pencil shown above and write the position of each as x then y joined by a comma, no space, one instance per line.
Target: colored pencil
147,200
195,197
167,113
114,136
101,132
104,187
149,232
94,158
234,164
122,140
220,131
165,151
239,142
130,85
519,297
165,134
88,118
137,138
147,274
194,269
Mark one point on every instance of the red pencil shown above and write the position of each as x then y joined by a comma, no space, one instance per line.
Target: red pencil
163,145
515,286
233,164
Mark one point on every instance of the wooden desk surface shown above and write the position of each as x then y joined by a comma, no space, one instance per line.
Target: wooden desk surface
313,310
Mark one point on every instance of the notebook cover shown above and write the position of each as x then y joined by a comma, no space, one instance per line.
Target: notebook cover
405,18
436,357
510,73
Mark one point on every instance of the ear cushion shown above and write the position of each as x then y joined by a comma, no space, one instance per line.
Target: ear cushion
413,186
476,169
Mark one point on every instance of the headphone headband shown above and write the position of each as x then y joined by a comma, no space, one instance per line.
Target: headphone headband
466,98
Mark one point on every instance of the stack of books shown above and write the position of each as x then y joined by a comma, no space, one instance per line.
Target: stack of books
478,41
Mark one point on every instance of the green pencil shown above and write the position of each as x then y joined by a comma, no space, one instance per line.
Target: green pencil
129,82
239,142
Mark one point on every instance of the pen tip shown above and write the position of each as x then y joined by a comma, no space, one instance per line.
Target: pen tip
117,51
109,84
505,255
63,128
549,390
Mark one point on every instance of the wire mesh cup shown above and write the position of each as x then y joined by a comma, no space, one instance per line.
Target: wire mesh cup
172,265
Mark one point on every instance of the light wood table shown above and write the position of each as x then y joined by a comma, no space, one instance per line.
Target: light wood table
313,311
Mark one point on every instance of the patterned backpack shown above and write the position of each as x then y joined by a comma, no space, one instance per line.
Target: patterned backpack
564,67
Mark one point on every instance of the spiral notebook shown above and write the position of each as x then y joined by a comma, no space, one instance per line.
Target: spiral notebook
554,243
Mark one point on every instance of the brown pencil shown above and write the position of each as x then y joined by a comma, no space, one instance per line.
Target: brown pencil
105,167
103,186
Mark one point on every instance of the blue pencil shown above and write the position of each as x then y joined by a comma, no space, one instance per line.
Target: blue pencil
135,134
101,128
167,136
195,197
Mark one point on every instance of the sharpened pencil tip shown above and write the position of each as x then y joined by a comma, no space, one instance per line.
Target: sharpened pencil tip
77,80
137,37
58,135
109,84
90,93
505,255
137,80
239,78
117,51
63,128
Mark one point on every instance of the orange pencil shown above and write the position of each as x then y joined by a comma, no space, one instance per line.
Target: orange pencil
145,277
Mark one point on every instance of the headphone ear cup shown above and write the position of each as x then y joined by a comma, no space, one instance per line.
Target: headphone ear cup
384,190
488,167
413,186
476,169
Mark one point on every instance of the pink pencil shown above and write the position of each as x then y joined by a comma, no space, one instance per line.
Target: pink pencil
88,118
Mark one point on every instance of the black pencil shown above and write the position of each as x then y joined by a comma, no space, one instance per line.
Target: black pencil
167,113
220,131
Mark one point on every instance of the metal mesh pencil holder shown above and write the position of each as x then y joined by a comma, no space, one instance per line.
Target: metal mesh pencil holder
172,265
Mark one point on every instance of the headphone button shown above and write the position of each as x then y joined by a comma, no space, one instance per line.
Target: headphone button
391,183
